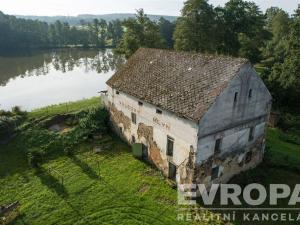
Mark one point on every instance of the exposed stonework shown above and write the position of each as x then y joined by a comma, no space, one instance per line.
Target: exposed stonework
119,117
146,132
231,164
187,168
155,156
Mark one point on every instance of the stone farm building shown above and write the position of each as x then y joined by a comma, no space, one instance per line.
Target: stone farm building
199,118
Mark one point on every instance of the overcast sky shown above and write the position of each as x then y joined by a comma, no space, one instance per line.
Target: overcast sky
75,7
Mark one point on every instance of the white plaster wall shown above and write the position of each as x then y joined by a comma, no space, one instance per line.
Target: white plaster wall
232,121
166,124
234,138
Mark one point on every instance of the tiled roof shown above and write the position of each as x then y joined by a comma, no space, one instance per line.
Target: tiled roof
184,83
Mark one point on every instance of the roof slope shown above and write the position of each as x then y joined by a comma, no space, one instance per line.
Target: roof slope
183,83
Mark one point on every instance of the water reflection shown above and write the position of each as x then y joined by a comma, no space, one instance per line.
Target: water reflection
39,63
37,79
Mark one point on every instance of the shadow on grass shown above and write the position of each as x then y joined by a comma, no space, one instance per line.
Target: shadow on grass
51,182
85,167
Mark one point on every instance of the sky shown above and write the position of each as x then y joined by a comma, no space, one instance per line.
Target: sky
75,7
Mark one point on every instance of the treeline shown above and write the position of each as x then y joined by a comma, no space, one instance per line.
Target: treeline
270,40
25,34
19,33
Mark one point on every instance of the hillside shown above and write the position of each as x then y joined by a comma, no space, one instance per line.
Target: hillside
76,20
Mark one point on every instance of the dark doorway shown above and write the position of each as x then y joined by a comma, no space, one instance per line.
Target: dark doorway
172,171
144,152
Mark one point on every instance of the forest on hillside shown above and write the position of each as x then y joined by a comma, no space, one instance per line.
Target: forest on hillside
27,34
270,39
88,18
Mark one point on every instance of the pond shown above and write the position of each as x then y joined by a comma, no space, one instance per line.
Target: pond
38,79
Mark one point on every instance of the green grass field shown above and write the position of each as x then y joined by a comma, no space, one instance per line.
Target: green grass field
112,187
108,188
68,107
85,188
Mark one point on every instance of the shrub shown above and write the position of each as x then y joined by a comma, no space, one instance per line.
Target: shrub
9,121
35,157
37,136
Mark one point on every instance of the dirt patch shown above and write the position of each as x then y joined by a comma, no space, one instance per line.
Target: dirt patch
62,128
60,123
144,188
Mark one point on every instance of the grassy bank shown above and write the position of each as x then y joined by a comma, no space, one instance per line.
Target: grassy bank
69,107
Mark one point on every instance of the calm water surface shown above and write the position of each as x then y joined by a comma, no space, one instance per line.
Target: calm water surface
34,80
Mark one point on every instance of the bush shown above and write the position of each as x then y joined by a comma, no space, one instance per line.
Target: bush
35,157
90,122
9,121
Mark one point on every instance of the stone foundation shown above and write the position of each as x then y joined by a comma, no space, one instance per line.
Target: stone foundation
230,164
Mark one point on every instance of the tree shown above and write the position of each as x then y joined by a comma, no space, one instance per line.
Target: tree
166,29
102,33
139,32
94,32
196,28
115,31
284,76
277,23
245,33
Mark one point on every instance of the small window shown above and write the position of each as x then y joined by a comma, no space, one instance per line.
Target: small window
170,146
218,146
248,157
117,92
141,104
250,93
133,118
158,111
133,139
236,94
215,173
251,134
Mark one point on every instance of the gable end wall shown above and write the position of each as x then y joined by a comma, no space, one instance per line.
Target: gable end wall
231,122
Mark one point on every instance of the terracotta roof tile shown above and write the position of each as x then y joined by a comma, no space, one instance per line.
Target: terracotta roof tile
184,83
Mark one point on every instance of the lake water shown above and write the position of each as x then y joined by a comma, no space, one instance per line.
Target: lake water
34,80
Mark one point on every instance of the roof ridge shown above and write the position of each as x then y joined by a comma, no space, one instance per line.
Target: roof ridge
181,82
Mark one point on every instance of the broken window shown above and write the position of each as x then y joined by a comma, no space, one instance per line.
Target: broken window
170,146
251,134
215,173
218,146
172,171
236,94
140,103
133,118
248,157
158,111
250,94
